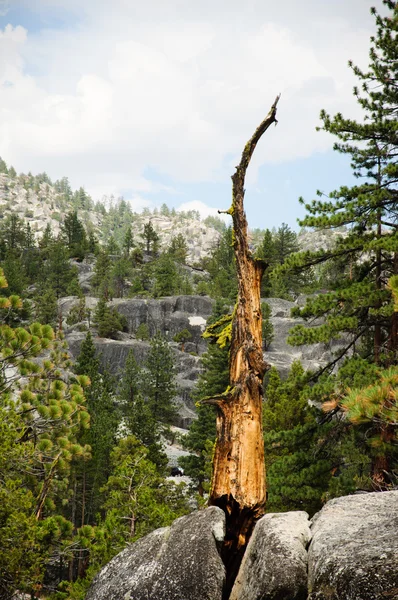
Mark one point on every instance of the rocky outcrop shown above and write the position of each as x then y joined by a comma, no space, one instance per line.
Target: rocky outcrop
354,550
173,314
85,272
169,316
41,204
274,566
280,354
181,562
323,239
200,238
353,555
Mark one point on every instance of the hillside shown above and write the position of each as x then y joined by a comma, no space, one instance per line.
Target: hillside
39,202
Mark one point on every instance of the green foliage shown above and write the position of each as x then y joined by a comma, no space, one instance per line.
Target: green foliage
215,222
101,280
128,240
151,237
58,274
178,248
101,436
138,415
361,305
72,230
121,269
47,308
160,382
12,234
142,332
166,277
298,466
108,320
40,422
78,312
276,247
267,327
373,410
182,337
138,500
222,270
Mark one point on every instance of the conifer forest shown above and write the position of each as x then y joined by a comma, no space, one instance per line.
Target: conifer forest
104,310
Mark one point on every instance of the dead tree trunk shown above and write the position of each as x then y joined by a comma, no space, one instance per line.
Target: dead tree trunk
238,484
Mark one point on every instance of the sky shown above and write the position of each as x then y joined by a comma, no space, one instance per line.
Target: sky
154,100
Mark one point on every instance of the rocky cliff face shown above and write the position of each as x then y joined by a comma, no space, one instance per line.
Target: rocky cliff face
168,316
173,314
281,355
348,551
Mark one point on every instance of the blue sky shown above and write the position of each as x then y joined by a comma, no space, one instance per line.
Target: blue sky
155,101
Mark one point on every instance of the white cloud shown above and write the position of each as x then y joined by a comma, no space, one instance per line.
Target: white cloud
4,7
203,209
178,87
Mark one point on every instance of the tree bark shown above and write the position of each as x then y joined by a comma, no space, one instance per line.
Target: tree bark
238,484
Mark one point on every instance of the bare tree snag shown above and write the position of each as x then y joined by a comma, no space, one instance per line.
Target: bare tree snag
238,484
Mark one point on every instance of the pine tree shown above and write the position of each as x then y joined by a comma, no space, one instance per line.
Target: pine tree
128,240
285,243
3,166
46,241
87,362
142,332
40,423
298,467
160,384
101,280
75,235
221,266
130,384
150,236
182,337
178,248
13,233
57,273
267,327
166,277
47,308
108,320
363,303
15,273
120,271
101,436
266,252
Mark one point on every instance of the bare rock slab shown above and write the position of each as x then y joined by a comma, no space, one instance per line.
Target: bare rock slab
354,550
180,562
274,566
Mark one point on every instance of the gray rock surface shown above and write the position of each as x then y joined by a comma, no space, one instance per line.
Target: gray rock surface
169,316
173,314
280,354
274,566
180,562
354,550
